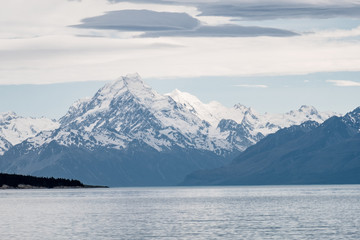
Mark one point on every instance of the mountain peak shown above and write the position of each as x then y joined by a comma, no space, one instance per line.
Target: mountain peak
175,92
241,107
356,111
210,112
8,115
353,118
130,83
133,78
184,97
308,109
122,81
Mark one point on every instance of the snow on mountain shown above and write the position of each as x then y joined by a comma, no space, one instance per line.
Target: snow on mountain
212,112
15,129
116,98
127,109
4,145
269,122
241,125
353,119
297,117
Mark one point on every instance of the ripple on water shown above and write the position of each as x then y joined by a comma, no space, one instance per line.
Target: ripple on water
272,212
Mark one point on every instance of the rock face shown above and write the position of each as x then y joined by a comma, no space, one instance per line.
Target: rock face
129,135
310,153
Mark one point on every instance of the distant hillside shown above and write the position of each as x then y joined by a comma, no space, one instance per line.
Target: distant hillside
306,154
21,181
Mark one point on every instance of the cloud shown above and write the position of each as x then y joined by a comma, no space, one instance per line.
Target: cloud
36,51
165,24
279,10
268,9
344,83
140,20
227,30
144,1
251,86
62,58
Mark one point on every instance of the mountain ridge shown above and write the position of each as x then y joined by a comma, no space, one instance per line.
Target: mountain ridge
311,153
126,117
14,128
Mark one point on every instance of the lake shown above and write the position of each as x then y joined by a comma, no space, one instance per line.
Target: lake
262,212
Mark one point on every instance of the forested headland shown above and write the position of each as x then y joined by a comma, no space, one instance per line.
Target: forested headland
15,181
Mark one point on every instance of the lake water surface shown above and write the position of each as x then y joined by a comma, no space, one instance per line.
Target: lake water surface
273,212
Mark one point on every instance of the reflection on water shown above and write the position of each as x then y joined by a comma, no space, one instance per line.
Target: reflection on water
275,212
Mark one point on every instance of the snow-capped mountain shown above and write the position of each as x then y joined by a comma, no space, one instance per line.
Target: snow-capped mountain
241,125
212,112
128,134
353,119
127,109
14,129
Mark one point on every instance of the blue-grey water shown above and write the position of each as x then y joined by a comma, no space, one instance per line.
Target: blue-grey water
274,212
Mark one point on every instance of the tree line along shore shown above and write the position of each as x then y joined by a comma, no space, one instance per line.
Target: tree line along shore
16,181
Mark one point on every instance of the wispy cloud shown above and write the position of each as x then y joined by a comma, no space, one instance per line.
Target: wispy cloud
140,20
344,83
266,10
227,30
251,85
173,24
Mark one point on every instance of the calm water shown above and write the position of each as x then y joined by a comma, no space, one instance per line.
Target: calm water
281,212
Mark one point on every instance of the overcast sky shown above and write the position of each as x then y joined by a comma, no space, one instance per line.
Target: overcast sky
270,55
